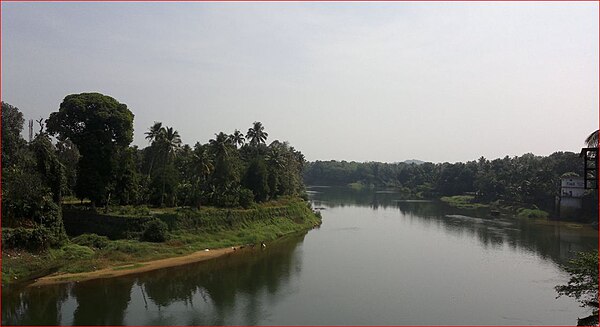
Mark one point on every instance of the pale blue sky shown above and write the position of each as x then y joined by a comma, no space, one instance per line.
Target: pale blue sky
354,81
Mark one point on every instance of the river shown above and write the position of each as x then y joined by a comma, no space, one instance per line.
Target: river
376,260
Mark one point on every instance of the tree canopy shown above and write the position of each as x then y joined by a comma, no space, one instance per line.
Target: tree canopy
100,127
12,126
526,179
583,284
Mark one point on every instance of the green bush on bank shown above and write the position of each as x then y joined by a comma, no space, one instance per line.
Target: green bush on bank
155,231
532,213
215,228
463,202
73,252
31,239
246,198
91,240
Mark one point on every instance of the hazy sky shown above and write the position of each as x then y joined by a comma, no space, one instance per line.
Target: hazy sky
352,81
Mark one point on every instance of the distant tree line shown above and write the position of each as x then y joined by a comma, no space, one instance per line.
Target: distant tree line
91,158
526,179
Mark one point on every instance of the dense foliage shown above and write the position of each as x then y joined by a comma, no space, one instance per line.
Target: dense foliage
583,284
155,231
92,160
225,172
101,128
33,179
526,179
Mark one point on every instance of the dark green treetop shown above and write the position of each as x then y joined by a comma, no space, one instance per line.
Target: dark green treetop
100,127
12,125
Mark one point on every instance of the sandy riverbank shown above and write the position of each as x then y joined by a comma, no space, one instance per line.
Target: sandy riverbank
133,268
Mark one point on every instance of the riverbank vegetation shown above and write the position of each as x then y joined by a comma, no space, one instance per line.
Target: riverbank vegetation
186,231
583,284
528,181
235,188
463,202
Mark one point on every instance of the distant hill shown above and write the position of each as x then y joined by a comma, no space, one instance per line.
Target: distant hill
414,161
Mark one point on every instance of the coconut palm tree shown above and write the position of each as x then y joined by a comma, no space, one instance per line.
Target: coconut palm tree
152,135
257,134
167,141
275,157
592,140
202,161
170,141
203,167
224,173
237,138
221,145
154,131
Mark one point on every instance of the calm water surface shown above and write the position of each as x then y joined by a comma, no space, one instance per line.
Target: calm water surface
375,260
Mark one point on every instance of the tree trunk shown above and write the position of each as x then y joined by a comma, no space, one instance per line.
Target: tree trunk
162,194
107,202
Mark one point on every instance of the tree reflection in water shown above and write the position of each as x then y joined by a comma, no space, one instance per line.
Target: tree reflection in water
37,306
217,292
555,240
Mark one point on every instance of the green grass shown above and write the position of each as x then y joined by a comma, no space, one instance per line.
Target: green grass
532,213
356,186
74,200
19,266
463,202
193,230
133,266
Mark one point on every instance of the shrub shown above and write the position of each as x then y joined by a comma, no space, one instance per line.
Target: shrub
246,198
91,240
75,251
532,213
304,196
32,239
155,231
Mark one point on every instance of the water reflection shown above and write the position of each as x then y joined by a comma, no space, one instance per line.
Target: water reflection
207,293
330,280
553,240
220,286
92,299
35,307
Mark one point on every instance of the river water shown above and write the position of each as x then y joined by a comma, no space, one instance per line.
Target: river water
376,260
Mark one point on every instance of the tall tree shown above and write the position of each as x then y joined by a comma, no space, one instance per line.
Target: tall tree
154,132
257,134
203,168
225,177
99,126
221,145
256,179
583,284
68,154
592,140
12,126
169,142
237,138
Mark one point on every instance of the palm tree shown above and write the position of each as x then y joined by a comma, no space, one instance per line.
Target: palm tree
202,161
275,158
152,135
257,134
592,140
203,164
171,141
237,138
154,131
224,156
168,141
221,144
